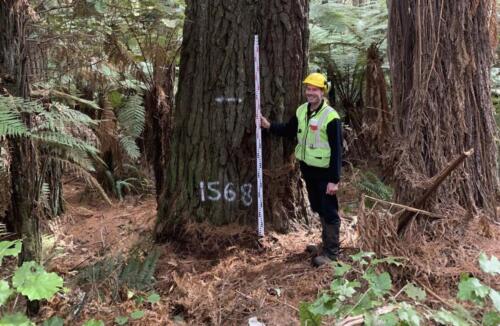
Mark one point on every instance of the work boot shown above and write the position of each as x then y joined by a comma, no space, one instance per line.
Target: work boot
313,250
322,260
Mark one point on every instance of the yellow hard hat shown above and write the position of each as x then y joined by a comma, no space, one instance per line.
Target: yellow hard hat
318,80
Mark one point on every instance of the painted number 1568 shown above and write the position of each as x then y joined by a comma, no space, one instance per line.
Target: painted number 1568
214,191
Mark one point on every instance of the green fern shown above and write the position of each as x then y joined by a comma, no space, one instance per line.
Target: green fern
51,133
138,274
131,117
65,141
134,273
370,184
10,118
130,147
131,120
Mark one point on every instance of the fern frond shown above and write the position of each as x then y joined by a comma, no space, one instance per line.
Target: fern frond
131,117
64,141
73,155
130,147
373,186
74,116
11,123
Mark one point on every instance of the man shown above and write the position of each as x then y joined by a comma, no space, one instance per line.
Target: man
318,130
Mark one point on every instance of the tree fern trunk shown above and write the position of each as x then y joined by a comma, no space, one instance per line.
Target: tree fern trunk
14,61
440,55
54,180
159,102
210,175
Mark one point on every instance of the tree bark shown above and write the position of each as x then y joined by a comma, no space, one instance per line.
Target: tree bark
14,61
54,180
440,56
376,115
159,102
5,198
210,175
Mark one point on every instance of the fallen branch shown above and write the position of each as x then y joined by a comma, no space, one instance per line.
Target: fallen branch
407,217
404,207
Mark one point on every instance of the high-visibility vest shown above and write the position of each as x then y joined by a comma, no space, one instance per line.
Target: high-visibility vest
313,147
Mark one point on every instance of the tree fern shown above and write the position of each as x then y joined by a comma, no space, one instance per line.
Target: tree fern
51,132
345,28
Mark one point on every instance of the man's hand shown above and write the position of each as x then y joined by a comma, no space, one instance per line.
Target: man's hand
332,188
264,123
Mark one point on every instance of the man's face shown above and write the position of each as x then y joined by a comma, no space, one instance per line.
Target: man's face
314,94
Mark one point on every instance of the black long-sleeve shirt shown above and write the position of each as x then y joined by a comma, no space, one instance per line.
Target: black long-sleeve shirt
334,133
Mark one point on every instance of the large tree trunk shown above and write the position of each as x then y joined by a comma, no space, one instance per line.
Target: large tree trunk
440,56
210,175
14,61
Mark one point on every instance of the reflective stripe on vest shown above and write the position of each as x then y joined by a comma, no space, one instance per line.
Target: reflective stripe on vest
313,147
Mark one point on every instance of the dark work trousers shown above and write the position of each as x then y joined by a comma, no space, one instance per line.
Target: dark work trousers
327,207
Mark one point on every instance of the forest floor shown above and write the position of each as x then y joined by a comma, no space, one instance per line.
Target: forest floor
217,276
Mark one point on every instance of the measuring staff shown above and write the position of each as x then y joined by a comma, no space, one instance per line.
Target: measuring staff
318,130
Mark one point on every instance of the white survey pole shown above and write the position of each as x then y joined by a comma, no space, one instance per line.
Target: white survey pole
258,142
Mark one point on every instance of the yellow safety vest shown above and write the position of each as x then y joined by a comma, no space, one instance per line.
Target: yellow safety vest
313,147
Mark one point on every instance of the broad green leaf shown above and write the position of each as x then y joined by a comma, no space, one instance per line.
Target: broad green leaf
121,320
154,298
94,322
415,292
495,298
138,314
367,303
343,288
341,268
17,319
325,306
491,318
446,317
471,289
34,282
408,314
54,321
5,292
490,266
379,283
307,318
389,319
360,255
9,248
